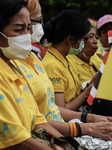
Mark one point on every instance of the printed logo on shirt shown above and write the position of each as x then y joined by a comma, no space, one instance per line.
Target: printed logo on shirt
54,117
19,100
33,120
7,131
29,76
55,80
39,68
23,68
1,97
26,89
50,97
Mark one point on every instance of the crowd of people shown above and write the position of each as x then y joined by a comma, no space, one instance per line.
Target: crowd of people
47,95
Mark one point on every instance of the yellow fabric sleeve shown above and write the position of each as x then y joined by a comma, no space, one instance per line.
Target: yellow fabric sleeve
12,131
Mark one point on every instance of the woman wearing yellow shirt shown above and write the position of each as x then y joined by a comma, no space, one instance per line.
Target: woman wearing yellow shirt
19,113
83,62
66,31
41,88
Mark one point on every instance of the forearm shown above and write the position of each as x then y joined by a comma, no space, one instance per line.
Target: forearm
68,115
30,144
77,102
62,127
49,128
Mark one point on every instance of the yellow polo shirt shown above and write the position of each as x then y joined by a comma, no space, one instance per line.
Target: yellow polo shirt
40,86
85,70
62,75
18,110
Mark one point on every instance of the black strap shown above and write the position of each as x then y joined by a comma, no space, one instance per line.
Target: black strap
72,141
95,69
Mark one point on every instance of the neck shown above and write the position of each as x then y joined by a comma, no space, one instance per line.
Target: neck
83,57
62,48
3,57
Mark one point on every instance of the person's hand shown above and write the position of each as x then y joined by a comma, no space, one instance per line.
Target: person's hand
87,90
101,130
102,56
97,118
109,119
93,78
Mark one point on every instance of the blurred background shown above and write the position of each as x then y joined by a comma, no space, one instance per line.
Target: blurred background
91,8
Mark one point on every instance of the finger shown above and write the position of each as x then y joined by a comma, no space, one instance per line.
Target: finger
100,55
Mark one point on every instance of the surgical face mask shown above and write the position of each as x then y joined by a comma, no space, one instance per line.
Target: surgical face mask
37,32
19,46
74,51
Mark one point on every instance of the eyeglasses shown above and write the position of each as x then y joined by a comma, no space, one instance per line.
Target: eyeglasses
37,21
85,39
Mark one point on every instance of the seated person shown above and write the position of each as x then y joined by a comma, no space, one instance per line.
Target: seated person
61,72
82,62
42,90
19,113
103,26
103,107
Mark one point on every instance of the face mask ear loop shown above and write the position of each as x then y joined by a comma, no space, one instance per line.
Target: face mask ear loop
4,35
70,45
84,54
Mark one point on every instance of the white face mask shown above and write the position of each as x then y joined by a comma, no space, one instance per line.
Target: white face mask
19,46
37,32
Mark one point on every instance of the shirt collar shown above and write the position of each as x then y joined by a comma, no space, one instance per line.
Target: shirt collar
79,61
58,56
8,71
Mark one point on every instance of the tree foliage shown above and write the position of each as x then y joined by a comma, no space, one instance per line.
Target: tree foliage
91,8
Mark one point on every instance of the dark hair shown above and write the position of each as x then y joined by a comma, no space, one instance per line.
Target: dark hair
66,23
8,8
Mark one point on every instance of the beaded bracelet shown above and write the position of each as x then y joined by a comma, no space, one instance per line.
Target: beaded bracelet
83,116
79,129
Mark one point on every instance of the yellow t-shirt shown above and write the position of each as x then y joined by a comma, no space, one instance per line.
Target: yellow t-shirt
18,110
40,86
85,70
63,76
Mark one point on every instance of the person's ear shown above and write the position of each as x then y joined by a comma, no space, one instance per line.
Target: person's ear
68,39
